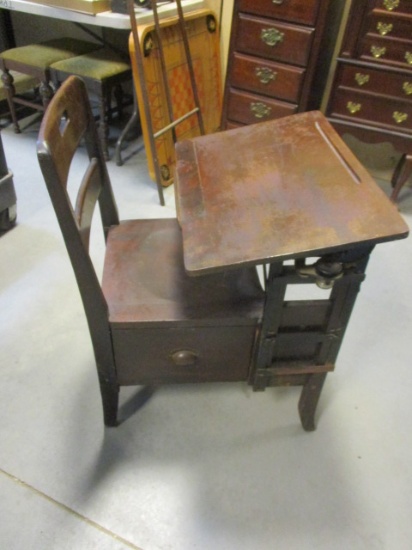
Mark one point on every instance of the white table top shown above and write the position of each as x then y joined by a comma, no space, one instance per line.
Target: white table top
104,19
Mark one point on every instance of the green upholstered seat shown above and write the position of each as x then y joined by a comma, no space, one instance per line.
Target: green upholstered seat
34,60
99,65
102,71
42,55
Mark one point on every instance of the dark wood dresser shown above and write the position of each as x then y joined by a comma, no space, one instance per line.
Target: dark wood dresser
371,95
275,47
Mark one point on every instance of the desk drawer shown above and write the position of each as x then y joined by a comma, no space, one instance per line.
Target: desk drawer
394,6
371,109
385,24
278,41
248,108
386,50
296,11
266,77
383,82
187,354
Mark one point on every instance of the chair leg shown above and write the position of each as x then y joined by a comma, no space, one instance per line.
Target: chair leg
110,401
46,93
309,399
118,95
8,80
103,127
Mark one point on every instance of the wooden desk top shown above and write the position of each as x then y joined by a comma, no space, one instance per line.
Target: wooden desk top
277,190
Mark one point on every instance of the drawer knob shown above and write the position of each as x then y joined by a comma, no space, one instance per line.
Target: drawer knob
399,117
378,51
391,4
278,2
184,358
272,37
353,107
384,28
408,58
265,75
361,78
260,110
407,88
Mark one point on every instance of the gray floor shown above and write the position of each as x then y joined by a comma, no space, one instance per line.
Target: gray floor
198,467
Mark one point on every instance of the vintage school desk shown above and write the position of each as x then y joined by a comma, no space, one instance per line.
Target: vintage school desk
288,195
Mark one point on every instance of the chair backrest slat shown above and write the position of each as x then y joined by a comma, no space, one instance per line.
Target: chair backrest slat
67,122
87,198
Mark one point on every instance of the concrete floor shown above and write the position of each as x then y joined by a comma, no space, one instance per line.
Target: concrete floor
198,467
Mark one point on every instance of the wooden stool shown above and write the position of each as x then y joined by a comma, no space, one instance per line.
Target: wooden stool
102,71
34,61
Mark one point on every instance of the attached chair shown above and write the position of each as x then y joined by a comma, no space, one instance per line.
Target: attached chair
103,72
34,61
149,322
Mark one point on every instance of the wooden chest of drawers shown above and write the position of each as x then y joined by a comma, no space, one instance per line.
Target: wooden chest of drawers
274,50
371,95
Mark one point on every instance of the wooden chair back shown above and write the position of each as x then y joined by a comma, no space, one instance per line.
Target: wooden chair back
67,122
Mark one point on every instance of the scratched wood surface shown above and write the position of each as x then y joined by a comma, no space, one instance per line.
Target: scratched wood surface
282,189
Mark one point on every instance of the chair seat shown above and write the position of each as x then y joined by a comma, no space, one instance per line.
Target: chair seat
44,54
167,327
144,280
98,65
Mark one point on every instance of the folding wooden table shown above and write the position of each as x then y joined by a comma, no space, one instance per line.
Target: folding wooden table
289,195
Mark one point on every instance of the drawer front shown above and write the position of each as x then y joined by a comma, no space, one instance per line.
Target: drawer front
296,11
383,24
200,354
371,109
371,80
386,50
394,6
267,77
280,41
248,108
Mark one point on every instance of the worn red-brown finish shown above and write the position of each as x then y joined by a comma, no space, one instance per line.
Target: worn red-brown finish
276,190
295,11
276,60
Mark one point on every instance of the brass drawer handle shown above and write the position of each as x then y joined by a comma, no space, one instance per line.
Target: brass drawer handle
272,37
407,88
408,58
260,110
399,117
353,107
278,2
265,75
384,28
361,78
391,4
377,51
